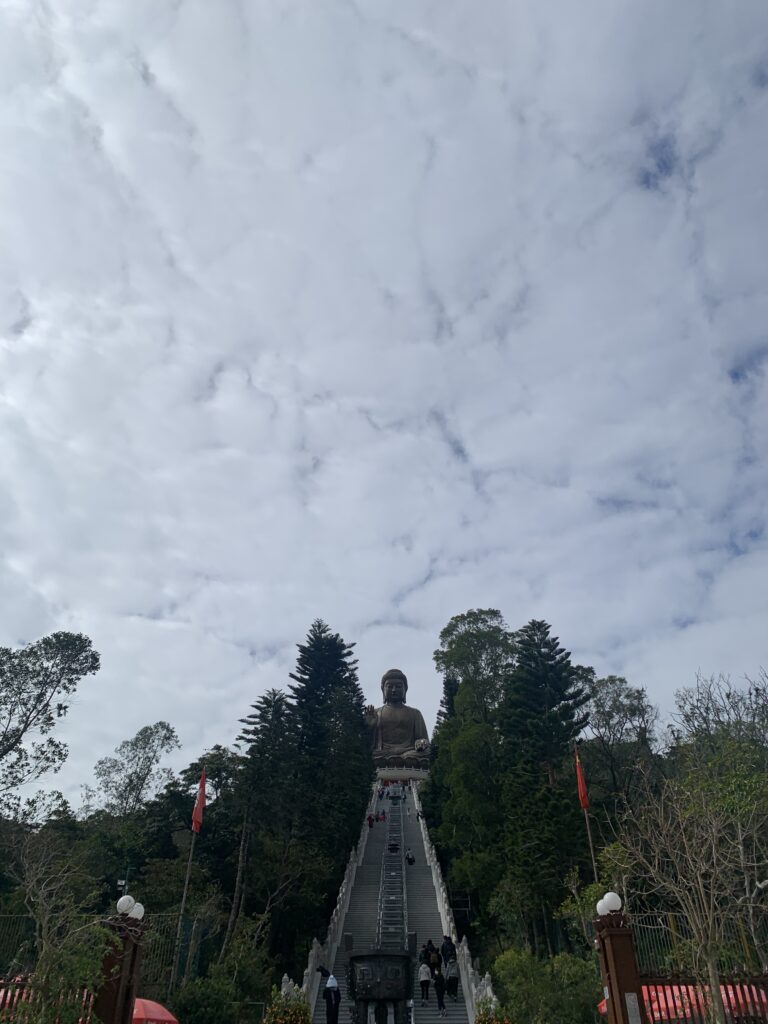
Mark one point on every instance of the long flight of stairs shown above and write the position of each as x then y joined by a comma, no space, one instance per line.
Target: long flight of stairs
423,915
360,920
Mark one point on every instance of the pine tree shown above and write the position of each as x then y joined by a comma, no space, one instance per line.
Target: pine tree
539,718
542,713
269,741
264,802
334,765
447,707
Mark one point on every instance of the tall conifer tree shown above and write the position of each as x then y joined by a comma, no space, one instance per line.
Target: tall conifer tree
334,764
542,712
540,716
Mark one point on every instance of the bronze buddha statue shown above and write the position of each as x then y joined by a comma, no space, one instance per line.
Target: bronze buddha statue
398,733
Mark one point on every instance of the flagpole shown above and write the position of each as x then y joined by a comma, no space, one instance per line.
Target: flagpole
197,821
180,925
581,785
591,844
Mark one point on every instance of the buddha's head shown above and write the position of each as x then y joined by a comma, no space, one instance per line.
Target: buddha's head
394,686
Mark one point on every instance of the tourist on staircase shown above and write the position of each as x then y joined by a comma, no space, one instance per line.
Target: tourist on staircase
332,998
452,979
440,992
425,976
434,958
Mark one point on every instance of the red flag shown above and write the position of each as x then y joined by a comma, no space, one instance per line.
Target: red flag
197,811
581,784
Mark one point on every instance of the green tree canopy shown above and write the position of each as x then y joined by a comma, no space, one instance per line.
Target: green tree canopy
133,775
36,687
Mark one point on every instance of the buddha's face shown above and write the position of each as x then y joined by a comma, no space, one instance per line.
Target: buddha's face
394,691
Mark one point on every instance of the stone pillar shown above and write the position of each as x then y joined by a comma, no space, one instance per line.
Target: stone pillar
619,971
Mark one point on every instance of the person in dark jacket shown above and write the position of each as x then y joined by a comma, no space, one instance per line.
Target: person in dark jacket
447,950
440,992
332,999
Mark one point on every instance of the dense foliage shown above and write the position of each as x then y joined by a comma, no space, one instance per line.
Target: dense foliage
565,989
501,795
679,816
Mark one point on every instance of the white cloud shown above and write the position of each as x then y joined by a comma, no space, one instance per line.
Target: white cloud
378,314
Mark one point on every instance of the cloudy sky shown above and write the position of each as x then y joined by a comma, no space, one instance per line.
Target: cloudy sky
379,311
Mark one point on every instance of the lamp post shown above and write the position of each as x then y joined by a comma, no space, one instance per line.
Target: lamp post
113,1003
618,963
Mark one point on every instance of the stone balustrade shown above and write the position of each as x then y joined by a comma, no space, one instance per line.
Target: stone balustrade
476,988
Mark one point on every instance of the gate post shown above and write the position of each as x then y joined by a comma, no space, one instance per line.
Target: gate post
113,1003
618,968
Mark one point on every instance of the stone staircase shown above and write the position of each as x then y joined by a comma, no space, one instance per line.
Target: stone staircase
360,920
421,913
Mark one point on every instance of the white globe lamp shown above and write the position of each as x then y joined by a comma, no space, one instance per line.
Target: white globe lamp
601,907
125,904
136,911
612,902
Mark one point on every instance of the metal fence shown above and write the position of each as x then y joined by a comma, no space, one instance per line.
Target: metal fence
200,944
17,944
665,946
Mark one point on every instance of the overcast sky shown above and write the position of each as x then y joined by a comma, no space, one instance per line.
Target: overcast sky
377,312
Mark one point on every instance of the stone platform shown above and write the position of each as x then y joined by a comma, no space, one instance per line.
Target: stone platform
401,774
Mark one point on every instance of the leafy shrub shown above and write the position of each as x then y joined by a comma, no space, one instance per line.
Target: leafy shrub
288,1008
206,1000
565,989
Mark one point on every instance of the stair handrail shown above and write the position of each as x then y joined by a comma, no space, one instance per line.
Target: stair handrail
382,882
476,988
405,876
325,953
380,903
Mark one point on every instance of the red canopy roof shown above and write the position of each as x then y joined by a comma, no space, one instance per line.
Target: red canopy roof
147,1011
